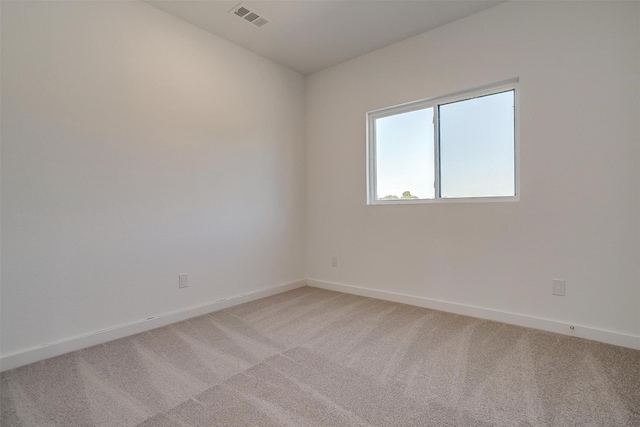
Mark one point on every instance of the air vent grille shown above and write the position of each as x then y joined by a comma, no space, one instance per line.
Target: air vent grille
241,11
251,16
259,22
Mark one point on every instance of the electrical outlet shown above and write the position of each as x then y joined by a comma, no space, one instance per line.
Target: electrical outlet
183,280
558,287
334,261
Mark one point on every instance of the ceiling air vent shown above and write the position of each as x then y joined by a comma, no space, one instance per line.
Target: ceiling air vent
244,13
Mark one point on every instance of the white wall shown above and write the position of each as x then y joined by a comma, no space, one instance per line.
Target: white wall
579,214
136,147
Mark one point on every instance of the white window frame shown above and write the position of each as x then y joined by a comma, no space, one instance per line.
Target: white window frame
372,116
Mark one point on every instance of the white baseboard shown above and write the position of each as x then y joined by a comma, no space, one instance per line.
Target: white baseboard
46,351
580,331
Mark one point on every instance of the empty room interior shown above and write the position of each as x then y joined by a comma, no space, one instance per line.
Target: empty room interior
320,213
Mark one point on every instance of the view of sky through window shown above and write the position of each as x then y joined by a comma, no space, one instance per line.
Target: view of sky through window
404,155
477,147
476,150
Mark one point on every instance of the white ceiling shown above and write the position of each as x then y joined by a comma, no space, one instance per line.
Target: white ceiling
310,35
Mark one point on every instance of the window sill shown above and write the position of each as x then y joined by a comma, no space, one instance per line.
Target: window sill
445,200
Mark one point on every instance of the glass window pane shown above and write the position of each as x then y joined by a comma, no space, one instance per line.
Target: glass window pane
477,147
404,156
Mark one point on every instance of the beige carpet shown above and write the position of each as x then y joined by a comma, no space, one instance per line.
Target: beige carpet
311,357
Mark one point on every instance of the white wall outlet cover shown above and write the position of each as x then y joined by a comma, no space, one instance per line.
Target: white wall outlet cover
183,280
558,287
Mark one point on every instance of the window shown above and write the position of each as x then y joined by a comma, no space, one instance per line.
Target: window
461,146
